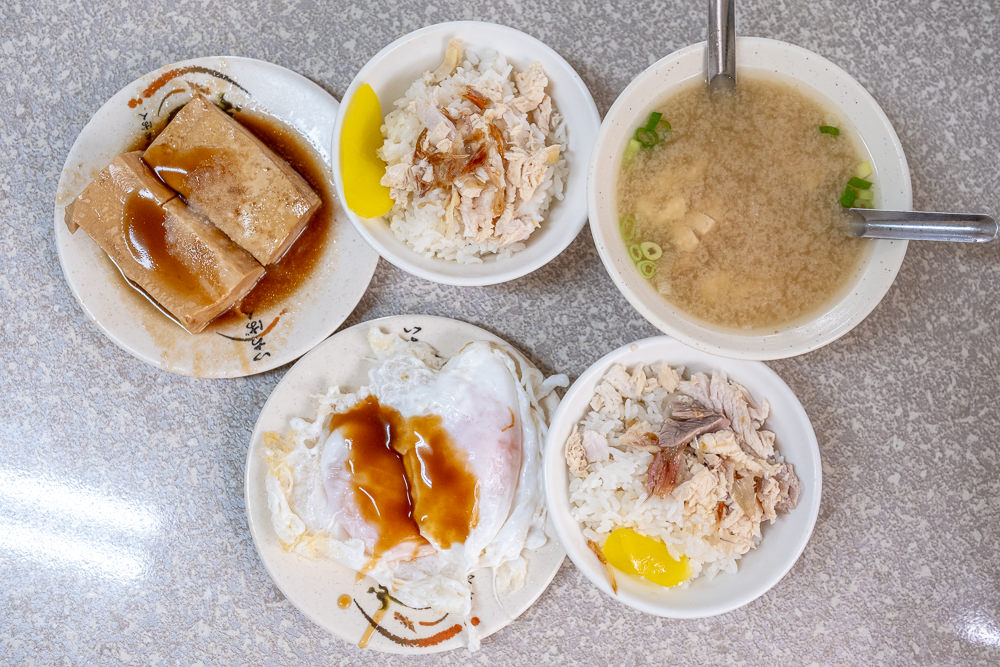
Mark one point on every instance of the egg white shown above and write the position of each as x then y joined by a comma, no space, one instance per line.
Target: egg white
477,390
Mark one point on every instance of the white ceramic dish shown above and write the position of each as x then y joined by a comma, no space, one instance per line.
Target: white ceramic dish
314,586
319,305
391,71
838,92
782,542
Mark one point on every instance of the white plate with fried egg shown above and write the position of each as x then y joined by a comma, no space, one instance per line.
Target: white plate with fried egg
394,484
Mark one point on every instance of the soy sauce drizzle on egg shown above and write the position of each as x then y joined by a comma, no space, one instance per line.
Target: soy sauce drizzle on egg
409,478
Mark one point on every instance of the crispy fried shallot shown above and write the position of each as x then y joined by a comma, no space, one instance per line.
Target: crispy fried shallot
476,97
604,561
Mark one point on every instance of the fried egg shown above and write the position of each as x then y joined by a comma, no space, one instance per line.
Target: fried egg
427,474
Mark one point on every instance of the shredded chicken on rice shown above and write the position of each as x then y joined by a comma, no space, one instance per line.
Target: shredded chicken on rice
686,461
471,154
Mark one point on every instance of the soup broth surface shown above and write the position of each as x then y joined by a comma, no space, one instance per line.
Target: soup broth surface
742,195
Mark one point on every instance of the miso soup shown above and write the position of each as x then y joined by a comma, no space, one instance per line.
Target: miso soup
732,204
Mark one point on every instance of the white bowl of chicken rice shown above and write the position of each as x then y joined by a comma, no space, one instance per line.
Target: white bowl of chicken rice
682,483
486,135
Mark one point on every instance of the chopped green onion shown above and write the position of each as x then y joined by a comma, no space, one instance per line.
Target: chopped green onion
655,129
847,199
829,129
863,204
646,268
863,170
651,250
859,183
865,195
627,227
646,137
631,150
635,252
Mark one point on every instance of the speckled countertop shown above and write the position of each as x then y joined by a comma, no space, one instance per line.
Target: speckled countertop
902,567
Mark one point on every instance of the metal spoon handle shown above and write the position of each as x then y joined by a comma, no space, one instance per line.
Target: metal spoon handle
923,226
721,43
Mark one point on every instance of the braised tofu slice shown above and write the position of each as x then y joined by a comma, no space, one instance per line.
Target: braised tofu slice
190,268
125,174
226,174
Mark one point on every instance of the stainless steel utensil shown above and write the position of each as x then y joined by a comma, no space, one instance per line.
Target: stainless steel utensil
871,223
721,44
922,226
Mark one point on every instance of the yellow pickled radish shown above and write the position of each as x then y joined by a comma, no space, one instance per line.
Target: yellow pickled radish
360,166
646,557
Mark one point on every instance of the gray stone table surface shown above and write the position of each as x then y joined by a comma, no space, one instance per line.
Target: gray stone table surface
903,565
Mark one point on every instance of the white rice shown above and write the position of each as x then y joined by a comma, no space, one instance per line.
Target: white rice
613,494
420,221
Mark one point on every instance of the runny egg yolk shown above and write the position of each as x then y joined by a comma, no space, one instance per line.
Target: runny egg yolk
646,557
360,165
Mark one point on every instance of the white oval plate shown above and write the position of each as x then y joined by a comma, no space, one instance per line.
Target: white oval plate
391,71
314,586
315,310
783,541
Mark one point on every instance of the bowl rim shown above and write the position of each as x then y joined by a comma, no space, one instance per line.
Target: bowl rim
401,258
888,254
663,348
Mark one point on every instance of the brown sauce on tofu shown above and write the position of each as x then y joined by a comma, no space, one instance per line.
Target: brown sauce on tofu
394,463
182,172
282,278
146,237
